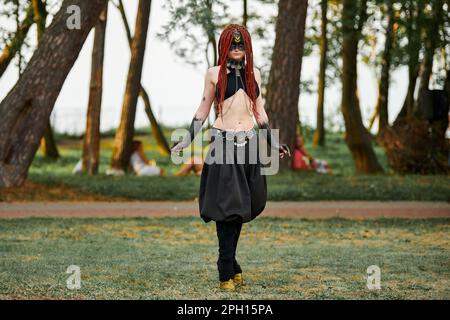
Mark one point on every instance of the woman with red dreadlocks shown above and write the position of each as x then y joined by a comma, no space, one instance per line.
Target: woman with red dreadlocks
232,193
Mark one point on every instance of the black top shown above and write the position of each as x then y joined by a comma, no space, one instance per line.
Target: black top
231,84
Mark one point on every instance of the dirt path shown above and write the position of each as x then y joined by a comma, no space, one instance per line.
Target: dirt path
306,209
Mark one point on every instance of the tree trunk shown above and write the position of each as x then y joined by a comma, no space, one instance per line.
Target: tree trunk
319,134
408,104
40,17
245,14
157,132
414,30
383,88
356,135
447,70
211,35
91,142
124,135
430,47
372,119
16,42
284,77
447,84
48,144
27,107
212,44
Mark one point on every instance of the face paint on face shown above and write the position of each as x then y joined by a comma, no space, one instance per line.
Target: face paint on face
237,42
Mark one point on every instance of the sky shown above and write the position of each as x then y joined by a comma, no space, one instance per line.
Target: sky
175,87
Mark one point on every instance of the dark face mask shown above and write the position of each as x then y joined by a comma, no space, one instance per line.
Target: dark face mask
234,46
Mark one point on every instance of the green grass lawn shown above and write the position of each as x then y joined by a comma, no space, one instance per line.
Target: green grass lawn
175,258
343,184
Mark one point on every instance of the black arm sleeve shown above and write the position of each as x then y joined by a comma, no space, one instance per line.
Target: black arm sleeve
271,141
194,128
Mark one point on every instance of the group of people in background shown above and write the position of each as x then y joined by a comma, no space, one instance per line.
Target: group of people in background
301,161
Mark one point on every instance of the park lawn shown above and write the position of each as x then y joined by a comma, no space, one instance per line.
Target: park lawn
175,258
52,180
283,186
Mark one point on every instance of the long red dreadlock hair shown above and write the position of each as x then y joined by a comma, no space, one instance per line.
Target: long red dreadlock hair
225,40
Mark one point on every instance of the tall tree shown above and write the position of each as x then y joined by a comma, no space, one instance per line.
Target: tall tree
414,30
91,141
446,48
26,108
48,143
354,15
124,135
319,133
386,61
245,13
431,43
284,78
155,127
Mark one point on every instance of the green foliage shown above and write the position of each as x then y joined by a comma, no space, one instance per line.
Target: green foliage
198,24
198,21
14,13
412,19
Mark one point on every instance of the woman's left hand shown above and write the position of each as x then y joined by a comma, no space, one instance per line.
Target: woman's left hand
284,149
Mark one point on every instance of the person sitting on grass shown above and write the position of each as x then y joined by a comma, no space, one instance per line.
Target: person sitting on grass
302,160
140,164
138,161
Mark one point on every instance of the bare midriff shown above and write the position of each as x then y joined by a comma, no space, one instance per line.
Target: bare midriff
236,113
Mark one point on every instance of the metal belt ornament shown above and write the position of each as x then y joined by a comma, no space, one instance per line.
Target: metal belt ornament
240,138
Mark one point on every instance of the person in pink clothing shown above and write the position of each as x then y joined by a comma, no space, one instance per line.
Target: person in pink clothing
299,160
302,160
